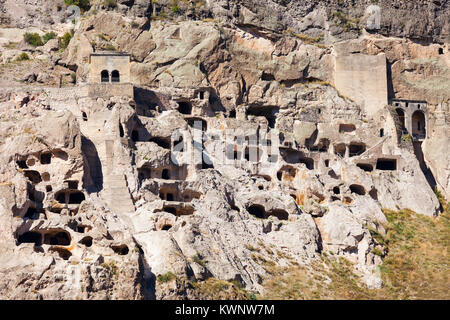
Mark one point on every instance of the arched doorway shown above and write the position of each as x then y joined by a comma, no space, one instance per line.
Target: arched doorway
105,76
401,117
418,124
184,107
115,76
165,174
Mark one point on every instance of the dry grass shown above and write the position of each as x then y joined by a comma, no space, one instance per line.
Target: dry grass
416,266
214,289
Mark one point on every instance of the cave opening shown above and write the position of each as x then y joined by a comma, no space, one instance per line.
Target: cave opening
59,238
387,164
32,213
257,211
87,241
197,123
46,176
184,107
336,190
322,146
144,173
340,149
171,210
22,164
30,237
309,162
33,176
121,132
165,174
121,250
401,117
72,184
268,112
135,135
287,173
356,149
63,253
418,124
279,175
365,166
280,214
46,158
357,189
346,128
76,197
373,193
162,142
170,197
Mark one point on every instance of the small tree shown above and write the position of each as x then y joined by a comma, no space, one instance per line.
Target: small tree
65,39
23,57
33,39
84,5
110,3
48,36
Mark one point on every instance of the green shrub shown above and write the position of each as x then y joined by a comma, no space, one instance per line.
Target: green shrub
48,36
33,39
108,47
167,277
23,57
110,3
65,39
347,23
199,260
251,296
438,193
175,9
377,252
84,5
102,37
407,137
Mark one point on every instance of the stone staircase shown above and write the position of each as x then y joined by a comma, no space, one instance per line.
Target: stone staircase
114,191
117,195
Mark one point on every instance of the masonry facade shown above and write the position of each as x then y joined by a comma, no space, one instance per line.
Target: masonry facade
413,117
111,67
110,74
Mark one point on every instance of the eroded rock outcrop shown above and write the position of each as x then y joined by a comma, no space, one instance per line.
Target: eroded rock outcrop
233,150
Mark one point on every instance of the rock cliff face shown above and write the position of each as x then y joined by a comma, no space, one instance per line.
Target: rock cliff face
422,20
234,152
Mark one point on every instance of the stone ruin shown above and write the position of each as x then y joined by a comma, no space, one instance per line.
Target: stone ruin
126,180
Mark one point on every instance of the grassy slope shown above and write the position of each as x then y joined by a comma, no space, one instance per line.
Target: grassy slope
416,266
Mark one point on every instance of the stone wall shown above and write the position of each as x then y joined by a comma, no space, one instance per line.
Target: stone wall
363,78
110,62
105,90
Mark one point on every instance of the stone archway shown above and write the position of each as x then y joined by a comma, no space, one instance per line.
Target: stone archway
418,124
104,76
115,76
